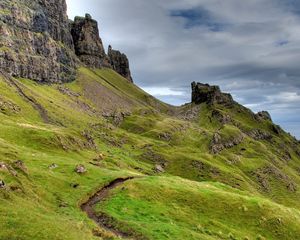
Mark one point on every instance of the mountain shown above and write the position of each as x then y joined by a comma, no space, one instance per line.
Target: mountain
86,154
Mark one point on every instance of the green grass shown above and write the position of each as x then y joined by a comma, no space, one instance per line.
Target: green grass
198,196
174,208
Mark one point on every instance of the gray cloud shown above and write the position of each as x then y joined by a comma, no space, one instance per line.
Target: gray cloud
250,48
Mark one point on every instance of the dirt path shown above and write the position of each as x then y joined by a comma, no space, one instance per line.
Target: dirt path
103,220
42,111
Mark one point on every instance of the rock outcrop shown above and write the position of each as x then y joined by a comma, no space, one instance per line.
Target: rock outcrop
88,44
35,40
39,42
258,134
218,144
263,115
119,63
204,93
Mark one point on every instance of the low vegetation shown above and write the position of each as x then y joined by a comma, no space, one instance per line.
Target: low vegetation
182,190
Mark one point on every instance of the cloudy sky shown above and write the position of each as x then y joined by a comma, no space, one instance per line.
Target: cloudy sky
250,48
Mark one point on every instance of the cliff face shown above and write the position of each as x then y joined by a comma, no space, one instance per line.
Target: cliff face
88,44
38,42
35,40
119,63
52,18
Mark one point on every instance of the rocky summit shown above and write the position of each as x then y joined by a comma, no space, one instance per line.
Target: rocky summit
40,43
204,93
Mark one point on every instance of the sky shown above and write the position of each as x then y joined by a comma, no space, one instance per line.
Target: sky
251,49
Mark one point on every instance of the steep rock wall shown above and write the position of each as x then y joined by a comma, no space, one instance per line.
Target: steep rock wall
120,63
35,40
88,44
39,42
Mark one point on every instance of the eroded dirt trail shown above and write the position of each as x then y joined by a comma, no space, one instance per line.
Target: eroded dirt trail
101,219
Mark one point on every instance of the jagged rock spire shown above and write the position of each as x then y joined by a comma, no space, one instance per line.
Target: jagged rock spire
119,63
88,44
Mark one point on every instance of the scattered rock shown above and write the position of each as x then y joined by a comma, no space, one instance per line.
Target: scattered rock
15,188
2,184
205,169
159,168
116,118
20,165
154,157
53,166
221,117
90,140
8,107
165,136
3,167
8,168
68,92
218,144
263,176
97,164
188,112
80,169
258,134
216,138
204,93
99,157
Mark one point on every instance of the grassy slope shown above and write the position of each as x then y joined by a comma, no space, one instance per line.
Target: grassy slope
176,206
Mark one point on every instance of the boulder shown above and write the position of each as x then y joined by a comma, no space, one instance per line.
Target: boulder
2,184
80,169
53,166
3,167
158,168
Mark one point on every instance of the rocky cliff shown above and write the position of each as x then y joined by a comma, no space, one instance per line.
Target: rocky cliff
35,40
88,44
119,63
210,94
39,42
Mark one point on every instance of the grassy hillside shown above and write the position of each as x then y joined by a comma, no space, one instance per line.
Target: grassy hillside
205,172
